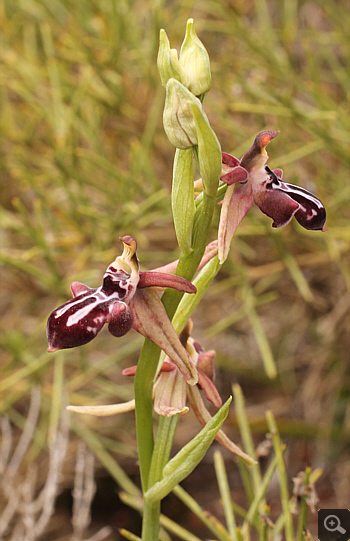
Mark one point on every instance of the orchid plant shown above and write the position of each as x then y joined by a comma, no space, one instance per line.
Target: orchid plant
158,304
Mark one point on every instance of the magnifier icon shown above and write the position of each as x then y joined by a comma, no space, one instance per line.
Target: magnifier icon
332,524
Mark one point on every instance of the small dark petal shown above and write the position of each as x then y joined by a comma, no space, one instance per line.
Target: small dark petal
229,160
237,174
76,322
121,319
278,173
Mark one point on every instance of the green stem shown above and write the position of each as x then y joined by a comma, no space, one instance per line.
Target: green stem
303,509
162,447
188,263
283,480
143,387
148,361
225,494
150,521
147,369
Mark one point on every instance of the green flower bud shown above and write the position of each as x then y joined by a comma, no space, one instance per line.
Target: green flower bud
195,61
168,63
186,126
179,123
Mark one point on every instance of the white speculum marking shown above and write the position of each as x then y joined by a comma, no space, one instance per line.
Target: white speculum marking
83,312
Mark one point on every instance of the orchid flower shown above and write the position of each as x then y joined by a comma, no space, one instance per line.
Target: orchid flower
126,299
171,389
250,180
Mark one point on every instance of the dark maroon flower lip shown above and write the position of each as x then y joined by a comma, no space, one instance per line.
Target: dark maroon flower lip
126,299
311,213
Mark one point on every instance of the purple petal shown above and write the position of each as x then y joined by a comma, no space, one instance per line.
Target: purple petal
237,174
205,362
152,321
229,160
163,280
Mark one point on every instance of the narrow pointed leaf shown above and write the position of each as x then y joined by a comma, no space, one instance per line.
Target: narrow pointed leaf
204,417
184,462
209,152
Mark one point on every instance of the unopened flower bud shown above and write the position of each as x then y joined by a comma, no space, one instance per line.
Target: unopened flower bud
178,119
195,61
168,63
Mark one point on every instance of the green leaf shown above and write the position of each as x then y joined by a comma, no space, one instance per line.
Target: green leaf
184,462
209,152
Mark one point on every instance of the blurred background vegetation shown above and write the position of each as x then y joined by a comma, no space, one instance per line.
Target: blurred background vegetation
84,160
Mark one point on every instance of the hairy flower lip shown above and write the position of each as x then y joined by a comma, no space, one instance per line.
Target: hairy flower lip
310,211
125,300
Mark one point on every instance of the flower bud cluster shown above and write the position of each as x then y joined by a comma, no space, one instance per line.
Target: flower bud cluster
186,80
192,69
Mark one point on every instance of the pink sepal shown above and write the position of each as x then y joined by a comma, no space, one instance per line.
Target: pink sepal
152,321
